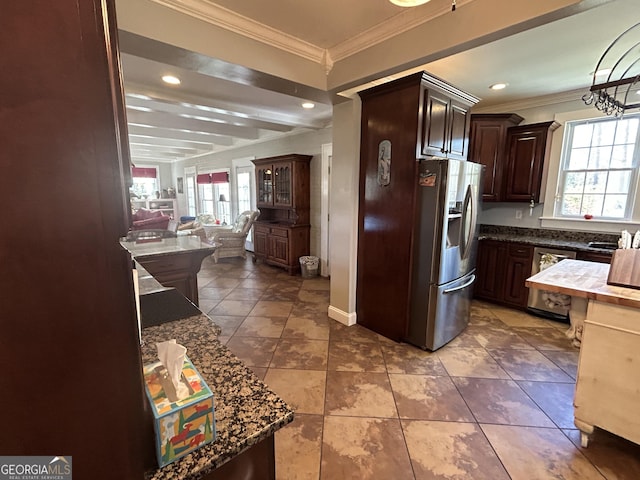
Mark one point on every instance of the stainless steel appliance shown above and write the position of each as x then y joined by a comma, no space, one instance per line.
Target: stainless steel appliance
547,304
444,251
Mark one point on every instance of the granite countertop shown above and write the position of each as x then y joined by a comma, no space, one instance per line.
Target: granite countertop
564,240
246,411
166,246
584,279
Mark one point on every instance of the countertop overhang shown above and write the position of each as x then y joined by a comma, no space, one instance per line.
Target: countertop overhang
584,279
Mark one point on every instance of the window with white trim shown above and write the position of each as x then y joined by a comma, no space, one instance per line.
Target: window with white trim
599,168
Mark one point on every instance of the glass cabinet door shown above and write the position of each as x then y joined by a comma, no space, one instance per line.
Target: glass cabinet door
265,186
283,194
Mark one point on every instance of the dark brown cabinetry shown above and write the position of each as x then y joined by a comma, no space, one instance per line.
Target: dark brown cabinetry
444,119
487,146
72,381
414,115
281,233
594,257
527,149
501,270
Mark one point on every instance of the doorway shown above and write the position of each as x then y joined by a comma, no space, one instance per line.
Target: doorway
245,191
325,217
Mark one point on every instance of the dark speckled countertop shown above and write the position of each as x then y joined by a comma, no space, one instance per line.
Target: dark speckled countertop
561,239
246,411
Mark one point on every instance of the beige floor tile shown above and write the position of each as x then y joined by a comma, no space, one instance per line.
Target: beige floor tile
403,358
529,365
314,296
213,293
303,390
353,333
281,293
451,451
364,449
546,338
254,352
271,309
515,318
247,294
221,282
500,401
233,307
567,361
317,283
470,362
313,328
261,327
355,357
309,310
491,336
359,395
301,353
615,457
298,448
530,453
259,372
555,399
254,283
426,397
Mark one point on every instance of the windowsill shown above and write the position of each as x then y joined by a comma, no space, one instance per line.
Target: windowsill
593,225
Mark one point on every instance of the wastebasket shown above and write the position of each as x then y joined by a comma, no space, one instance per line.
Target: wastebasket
309,266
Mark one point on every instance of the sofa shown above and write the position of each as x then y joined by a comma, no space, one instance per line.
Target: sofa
145,219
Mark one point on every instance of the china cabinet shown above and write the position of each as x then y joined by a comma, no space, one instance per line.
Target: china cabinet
281,234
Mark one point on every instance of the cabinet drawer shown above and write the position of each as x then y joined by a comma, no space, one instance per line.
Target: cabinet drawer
280,232
260,229
520,251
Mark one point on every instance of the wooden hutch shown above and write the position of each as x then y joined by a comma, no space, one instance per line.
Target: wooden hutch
281,233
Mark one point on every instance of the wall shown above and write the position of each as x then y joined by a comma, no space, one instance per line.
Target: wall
307,143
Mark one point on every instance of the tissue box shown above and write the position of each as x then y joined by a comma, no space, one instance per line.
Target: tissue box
185,425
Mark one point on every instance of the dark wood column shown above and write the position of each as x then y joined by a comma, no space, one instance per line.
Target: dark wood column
71,381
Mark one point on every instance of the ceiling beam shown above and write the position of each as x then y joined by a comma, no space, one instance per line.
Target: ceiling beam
177,134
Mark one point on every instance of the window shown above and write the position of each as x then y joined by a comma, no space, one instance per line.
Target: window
599,168
145,181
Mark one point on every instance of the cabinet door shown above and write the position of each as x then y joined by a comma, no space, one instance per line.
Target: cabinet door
260,240
264,182
435,124
279,249
518,270
282,191
486,146
527,148
458,141
490,270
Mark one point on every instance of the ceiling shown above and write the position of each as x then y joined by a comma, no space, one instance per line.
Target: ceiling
220,105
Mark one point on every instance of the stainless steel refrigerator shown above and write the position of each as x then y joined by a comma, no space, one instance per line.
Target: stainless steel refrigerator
444,250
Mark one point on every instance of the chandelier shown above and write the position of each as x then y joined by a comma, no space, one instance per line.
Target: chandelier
616,95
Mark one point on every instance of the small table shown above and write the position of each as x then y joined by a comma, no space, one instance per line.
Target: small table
174,262
608,385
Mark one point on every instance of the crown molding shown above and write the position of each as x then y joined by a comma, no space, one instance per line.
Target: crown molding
229,20
382,32
222,17
534,102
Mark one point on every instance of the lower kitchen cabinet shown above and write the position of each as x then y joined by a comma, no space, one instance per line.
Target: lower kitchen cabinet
281,245
594,257
501,271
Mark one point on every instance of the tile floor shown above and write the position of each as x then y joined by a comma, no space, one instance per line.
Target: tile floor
496,403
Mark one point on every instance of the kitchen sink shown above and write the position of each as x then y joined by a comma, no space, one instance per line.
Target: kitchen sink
606,245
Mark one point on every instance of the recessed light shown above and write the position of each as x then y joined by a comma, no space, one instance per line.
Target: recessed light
498,86
171,80
308,105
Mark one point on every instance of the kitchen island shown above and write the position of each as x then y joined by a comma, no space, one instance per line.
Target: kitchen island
608,385
174,262
247,413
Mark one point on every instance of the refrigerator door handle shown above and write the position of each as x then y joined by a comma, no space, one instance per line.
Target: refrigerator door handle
460,287
468,209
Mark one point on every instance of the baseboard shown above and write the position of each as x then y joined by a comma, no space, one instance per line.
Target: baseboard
345,318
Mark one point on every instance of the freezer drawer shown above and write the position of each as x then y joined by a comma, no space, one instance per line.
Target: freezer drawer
440,317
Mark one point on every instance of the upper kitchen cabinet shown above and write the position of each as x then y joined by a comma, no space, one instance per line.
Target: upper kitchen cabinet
527,149
487,146
282,182
443,119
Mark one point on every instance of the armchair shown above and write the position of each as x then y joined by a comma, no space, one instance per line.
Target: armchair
230,242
